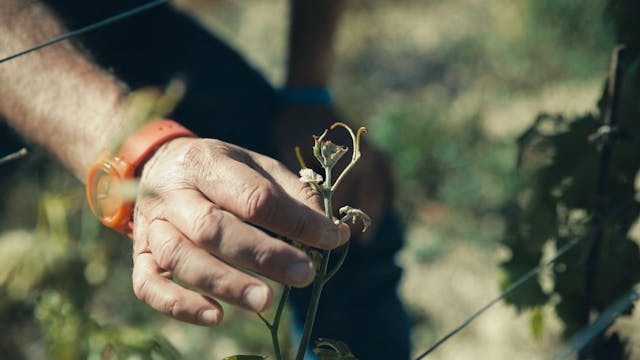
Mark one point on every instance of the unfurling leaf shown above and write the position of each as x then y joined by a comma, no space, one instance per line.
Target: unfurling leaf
332,153
327,153
354,214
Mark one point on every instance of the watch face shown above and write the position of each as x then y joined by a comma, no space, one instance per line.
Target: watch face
105,181
106,200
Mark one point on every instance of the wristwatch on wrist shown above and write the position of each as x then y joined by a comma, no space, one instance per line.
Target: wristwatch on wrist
105,177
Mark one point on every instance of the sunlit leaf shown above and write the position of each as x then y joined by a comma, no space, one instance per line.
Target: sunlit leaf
536,321
25,259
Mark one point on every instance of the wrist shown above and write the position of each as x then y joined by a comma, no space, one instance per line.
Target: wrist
107,177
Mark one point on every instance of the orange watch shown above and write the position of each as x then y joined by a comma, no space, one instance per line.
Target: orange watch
105,177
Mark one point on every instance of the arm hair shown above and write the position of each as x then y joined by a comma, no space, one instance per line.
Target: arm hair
56,97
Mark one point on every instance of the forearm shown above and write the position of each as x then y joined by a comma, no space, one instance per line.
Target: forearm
311,41
56,97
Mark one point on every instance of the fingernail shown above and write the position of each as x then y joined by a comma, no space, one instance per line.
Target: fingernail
210,317
345,233
256,297
336,236
300,273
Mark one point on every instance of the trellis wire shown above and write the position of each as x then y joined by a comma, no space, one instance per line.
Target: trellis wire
14,156
583,338
88,28
524,278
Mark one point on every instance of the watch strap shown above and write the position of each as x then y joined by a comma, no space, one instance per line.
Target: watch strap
149,138
123,165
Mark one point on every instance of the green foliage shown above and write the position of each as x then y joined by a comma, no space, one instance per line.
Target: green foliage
536,321
71,334
454,165
558,202
556,205
439,156
62,325
48,280
569,22
28,259
563,39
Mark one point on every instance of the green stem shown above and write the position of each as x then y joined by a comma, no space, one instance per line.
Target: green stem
318,284
264,320
344,172
319,281
338,265
276,322
273,328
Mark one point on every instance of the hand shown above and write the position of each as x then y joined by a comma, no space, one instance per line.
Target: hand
369,186
192,225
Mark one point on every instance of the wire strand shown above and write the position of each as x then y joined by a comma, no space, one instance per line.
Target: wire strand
523,279
583,338
88,28
14,156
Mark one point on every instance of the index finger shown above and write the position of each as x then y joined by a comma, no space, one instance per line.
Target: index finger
285,207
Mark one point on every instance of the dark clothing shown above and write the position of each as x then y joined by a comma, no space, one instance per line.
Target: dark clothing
229,100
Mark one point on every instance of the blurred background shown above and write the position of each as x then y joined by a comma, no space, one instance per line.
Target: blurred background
446,89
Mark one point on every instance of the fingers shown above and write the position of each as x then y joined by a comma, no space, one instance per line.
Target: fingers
192,224
197,269
275,200
223,234
167,297
296,189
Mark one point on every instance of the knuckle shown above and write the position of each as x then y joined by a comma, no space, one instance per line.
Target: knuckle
141,288
265,257
170,306
169,253
272,165
268,257
207,224
200,152
194,154
310,196
258,202
215,284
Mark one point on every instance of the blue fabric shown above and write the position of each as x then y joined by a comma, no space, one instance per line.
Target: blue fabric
229,100
318,96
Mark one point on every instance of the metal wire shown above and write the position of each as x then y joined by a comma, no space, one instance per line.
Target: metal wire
14,156
583,338
88,28
523,279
